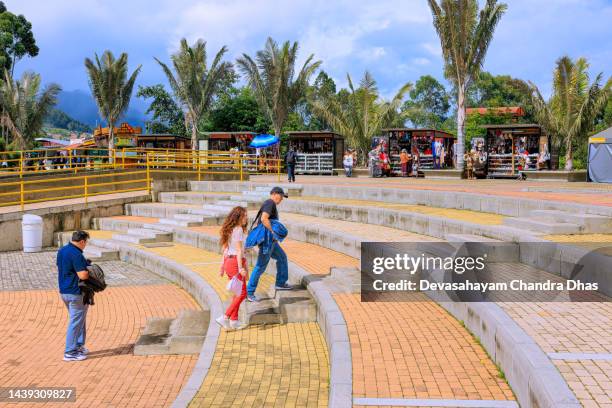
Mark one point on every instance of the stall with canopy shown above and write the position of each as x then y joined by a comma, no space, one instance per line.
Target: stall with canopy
600,157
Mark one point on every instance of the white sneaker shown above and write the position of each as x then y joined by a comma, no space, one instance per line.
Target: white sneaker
236,325
83,350
74,356
223,321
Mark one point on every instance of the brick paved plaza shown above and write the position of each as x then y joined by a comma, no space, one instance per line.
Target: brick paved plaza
349,353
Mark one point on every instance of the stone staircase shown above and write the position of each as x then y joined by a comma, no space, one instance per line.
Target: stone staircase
560,222
280,306
184,334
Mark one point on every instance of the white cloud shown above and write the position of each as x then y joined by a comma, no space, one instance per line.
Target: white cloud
432,48
420,61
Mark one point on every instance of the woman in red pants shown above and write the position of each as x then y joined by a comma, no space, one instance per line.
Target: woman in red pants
234,262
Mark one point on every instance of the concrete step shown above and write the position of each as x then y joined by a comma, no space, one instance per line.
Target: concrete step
189,217
205,212
253,200
221,209
159,236
540,226
590,223
282,306
183,335
135,239
98,254
232,203
158,227
179,223
495,250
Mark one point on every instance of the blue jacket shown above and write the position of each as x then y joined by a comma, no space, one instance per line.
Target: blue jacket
262,237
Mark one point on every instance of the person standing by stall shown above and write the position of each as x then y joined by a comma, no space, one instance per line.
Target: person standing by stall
404,159
347,162
469,164
290,159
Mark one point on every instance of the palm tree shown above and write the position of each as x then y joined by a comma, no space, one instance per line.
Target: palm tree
574,105
111,87
25,106
362,115
193,83
273,81
465,37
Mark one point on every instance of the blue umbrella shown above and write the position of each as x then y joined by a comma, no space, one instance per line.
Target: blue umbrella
260,141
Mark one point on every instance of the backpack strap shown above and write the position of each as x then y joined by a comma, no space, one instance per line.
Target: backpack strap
257,217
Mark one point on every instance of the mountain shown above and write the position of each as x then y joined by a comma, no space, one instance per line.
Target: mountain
80,105
59,119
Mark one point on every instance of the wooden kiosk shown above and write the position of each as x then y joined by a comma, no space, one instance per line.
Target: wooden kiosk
513,148
418,141
318,152
224,141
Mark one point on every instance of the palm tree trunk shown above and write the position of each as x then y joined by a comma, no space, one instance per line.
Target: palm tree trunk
111,141
459,145
569,155
194,136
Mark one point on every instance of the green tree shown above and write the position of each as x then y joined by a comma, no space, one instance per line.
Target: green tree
428,103
465,36
16,39
323,87
359,114
194,83
25,106
237,111
273,82
111,87
491,91
166,114
571,112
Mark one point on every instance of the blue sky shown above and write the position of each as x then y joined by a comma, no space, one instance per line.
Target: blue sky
394,39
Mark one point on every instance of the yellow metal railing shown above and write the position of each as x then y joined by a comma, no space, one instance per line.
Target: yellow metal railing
138,167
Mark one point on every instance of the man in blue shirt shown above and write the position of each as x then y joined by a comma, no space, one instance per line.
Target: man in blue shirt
72,267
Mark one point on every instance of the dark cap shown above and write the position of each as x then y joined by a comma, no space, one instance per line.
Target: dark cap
278,190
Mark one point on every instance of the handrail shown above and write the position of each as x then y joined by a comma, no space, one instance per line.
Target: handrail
133,169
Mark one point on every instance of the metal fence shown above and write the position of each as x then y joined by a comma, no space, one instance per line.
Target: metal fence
130,170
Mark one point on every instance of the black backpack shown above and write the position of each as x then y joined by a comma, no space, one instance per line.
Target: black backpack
291,157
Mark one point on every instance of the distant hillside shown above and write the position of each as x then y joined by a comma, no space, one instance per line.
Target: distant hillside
80,106
59,119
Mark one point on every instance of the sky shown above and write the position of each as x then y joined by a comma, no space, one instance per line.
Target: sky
393,39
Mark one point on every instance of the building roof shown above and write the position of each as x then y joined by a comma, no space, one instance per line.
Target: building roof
512,126
513,110
59,142
416,130
605,136
312,132
164,135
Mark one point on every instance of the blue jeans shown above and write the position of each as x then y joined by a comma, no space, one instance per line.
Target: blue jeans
76,332
282,268
348,171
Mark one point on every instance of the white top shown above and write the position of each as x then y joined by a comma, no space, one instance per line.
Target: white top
236,241
348,160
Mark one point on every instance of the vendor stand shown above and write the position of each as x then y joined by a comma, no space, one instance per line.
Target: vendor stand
600,157
318,152
418,142
224,141
514,148
164,141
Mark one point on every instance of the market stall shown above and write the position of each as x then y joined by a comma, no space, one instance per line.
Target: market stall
421,142
600,157
164,141
318,152
514,148
224,141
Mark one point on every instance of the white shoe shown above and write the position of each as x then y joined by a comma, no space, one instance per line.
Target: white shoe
83,350
236,325
223,321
